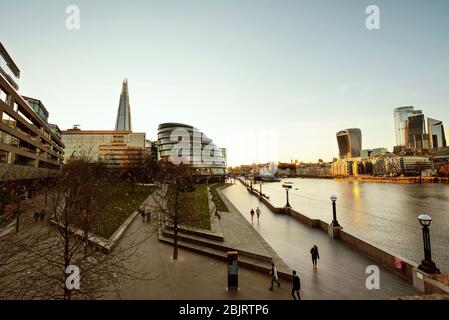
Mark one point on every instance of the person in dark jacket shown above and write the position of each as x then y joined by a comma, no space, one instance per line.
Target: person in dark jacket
315,256
296,286
252,214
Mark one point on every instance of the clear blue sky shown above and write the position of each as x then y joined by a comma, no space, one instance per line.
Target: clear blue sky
269,80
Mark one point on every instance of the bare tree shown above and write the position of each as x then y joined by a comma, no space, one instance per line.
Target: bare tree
175,203
34,262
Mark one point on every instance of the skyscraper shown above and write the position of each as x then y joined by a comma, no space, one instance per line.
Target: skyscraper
401,116
437,138
349,143
123,121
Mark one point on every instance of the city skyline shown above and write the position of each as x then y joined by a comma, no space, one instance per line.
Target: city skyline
217,78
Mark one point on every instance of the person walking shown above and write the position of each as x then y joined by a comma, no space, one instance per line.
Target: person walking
315,256
252,214
274,276
36,216
296,286
42,215
258,213
142,213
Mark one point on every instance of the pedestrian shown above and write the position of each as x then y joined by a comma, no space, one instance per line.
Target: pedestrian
42,215
148,217
274,276
142,213
252,214
36,216
296,286
258,213
315,256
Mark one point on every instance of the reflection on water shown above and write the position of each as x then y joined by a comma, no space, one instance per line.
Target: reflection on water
381,213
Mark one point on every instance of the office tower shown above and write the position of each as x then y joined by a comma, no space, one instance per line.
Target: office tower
401,116
349,143
416,132
437,138
123,121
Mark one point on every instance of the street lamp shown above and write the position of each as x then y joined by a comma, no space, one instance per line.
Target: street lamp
334,211
427,265
287,186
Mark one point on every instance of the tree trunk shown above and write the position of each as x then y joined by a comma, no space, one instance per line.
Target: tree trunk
175,224
175,241
17,222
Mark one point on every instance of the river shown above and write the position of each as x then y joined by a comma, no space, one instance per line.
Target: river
383,214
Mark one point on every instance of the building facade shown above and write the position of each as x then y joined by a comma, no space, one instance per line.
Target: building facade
349,143
179,142
123,121
116,148
28,146
437,136
401,116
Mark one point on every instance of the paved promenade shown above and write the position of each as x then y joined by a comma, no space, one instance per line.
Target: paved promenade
193,276
341,270
340,274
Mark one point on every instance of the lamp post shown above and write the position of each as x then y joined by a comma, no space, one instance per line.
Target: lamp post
427,265
287,186
334,211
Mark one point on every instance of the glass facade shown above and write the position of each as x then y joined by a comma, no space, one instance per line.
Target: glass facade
437,136
349,143
202,153
401,116
113,147
123,121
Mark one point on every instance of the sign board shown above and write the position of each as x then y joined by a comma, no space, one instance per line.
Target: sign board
233,277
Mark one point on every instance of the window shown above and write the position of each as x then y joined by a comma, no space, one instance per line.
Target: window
8,120
9,139
4,96
4,156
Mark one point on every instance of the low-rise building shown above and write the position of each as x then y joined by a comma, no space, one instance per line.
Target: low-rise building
116,148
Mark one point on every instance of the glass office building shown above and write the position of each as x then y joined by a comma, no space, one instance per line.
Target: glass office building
349,143
401,116
437,136
123,121
189,145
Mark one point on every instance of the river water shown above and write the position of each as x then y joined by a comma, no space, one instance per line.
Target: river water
383,214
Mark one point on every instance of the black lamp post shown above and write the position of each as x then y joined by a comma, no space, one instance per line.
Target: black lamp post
334,211
287,186
427,265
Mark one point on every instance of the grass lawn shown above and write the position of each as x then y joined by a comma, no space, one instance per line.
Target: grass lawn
120,205
221,206
201,206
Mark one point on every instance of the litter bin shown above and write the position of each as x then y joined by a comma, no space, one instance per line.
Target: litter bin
233,274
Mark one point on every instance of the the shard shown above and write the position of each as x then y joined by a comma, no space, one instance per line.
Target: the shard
123,121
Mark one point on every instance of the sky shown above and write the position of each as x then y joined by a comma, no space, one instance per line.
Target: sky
268,80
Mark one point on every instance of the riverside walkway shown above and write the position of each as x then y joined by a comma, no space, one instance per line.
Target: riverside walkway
341,272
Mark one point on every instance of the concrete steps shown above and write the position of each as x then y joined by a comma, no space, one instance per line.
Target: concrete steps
214,244
245,261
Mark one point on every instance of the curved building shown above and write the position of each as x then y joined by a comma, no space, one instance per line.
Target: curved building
179,142
349,143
